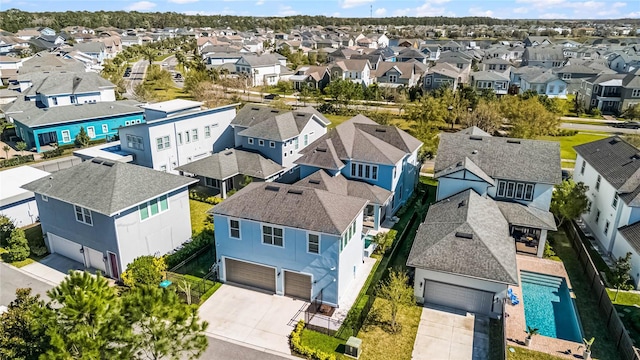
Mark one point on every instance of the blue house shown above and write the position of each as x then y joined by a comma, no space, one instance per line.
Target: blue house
360,149
54,106
290,240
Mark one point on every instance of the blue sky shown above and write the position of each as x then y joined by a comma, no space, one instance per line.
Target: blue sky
521,9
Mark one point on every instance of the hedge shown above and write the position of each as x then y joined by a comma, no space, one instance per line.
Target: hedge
303,350
18,160
52,153
213,200
198,242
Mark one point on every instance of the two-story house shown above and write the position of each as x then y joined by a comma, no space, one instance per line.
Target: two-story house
411,54
543,82
431,52
440,75
493,201
290,240
573,75
611,168
602,92
394,74
310,76
355,70
490,80
177,132
361,149
630,92
543,56
265,69
104,214
496,64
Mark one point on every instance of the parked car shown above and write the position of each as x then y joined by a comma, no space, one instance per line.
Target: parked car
566,175
628,125
272,96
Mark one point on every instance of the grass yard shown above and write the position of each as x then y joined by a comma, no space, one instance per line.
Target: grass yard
199,217
378,344
593,324
169,93
325,343
626,306
34,237
526,354
336,119
568,142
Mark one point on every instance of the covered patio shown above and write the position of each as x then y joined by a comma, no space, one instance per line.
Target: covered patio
528,226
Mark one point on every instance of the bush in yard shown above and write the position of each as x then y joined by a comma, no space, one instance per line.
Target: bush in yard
548,251
397,291
6,227
198,242
145,270
305,351
52,153
18,246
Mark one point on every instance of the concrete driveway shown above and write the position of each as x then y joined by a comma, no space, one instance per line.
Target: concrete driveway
448,334
52,269
259,320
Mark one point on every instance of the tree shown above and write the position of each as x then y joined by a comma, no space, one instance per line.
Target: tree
384,240
632,112
284,87
6,149
22,335
21,146
528,118
344,91
620,276
145,270
6,227
149,54
428,110
82,139
569,200
166,327
86,321
485,116
397,292
18,246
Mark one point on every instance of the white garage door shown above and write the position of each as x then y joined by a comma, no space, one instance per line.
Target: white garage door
253,275
65,248
458,297
95,259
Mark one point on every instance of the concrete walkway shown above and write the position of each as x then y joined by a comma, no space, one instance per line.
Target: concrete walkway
448,334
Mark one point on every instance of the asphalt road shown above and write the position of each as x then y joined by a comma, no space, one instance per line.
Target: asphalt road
12,279
223,350
137,76
598,128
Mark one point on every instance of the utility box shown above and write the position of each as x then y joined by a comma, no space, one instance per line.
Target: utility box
353,347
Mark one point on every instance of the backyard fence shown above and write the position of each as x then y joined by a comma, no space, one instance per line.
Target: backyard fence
191,285
197,259
616,329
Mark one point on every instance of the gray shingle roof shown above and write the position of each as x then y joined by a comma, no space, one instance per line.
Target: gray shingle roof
272,124
360,139
293,206
107,187
489,254
229,163
340,185
523,215
33,116
261,60
469,165
543,53
502,158
489,76
51,62
67,83
632,234
618,162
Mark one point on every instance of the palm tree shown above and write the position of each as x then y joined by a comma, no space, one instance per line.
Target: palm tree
6,149
21,146
149,54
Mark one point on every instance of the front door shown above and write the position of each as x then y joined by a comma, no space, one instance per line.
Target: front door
113,261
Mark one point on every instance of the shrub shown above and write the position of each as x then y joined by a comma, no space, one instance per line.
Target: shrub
595,112
52,153
565,132
18,246
303,350
145,270
548,251
17,160
198,242
6,227
39,250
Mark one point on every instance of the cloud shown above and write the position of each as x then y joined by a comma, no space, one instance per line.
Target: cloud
634,14
553,16
425,9
380,12
182,1
260,2
140,6
476,11
347,4
286,10
521,10
335,14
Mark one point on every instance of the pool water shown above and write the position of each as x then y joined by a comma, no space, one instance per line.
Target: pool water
548,306
367,241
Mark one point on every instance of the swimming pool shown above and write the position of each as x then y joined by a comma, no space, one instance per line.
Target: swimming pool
548,306
367,241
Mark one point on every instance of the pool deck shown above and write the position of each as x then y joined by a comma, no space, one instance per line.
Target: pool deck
516,323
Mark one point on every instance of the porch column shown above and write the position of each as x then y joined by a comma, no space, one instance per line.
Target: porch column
223,189
542,242
376,216
36,142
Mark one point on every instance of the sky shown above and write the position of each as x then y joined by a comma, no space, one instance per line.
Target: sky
504,9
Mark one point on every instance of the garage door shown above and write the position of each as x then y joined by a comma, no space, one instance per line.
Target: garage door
95,259
458,297
65,248
297,285
244,273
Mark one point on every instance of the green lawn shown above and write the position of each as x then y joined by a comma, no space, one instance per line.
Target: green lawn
626,304
593,324
336,119
199,216
526,354
34,237
325,343
568,142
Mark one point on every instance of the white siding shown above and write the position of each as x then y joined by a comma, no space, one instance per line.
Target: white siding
351,259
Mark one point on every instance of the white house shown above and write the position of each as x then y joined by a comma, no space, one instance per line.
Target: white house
177,132
18,204
266,69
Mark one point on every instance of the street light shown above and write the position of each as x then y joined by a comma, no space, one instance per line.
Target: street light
450,108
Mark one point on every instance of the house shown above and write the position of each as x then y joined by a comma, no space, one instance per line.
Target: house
105,214
603,92
265,69
493,201
459,60
431,52
543,82
177,132
409,54
361,149
95,50
531,41
610,168
16,203
451,46
496,64
442,74
290,240
623,62
394,74
278,135
310,76
630,92
355,70
490,80
573,75
546,57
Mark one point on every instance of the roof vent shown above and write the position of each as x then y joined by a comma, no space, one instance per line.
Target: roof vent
229,152
462,203
321,149
300,114
475,137
275,111
294,191
272,188
255,108
108,163
464,235
474,152
636,156
614,141
512,141
381,130
313,181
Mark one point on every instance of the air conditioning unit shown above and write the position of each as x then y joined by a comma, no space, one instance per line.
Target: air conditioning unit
353,347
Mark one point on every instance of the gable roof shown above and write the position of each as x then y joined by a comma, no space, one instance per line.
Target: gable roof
529,216
107,187
229,163
261,60
466,234
618,162
444,69
272,124
56,83
502,158
341,185
359,139
293,206
631,233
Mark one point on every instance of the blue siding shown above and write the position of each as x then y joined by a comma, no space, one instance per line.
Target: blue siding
266,150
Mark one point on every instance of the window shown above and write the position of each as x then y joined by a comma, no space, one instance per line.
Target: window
272,144
54,100
83,215
234,229
597,216
502,187
44,197
593,102
194,135
105,128
127,123
313,244
272,236
306,140
635,93
153,207
91,131
552,89
584,165
615,201
250,141
179,136
260,142
519,190
295,143
427,81
598,183
66,137
606,227
588,207
364,171
511,186
515,190
207,132
163,143
528,193
134,142
393,78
